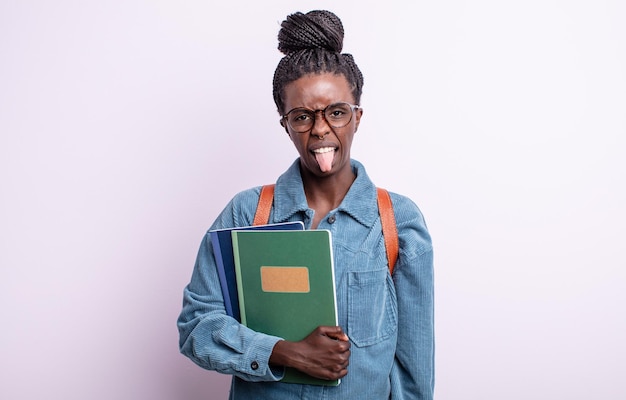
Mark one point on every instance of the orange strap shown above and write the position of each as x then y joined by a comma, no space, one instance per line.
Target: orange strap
390,230
266,198
385,209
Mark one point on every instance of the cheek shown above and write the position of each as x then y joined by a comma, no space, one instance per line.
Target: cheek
347,138
297,141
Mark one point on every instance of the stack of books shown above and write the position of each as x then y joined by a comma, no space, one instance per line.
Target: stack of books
278,279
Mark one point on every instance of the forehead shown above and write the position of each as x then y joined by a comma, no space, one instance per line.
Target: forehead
316,91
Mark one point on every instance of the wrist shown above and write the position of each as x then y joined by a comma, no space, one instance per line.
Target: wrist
282,354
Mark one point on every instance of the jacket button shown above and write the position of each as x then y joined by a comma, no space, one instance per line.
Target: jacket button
254,365
331,219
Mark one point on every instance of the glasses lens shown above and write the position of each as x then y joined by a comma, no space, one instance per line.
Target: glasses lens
337,115
301,119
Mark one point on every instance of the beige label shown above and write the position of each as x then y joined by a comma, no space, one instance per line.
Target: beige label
285,279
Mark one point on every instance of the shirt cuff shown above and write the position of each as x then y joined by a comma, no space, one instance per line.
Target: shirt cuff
257,360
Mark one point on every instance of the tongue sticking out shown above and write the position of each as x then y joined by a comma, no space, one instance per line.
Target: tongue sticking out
325,160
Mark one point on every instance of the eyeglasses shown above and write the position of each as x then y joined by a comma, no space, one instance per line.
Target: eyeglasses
336,115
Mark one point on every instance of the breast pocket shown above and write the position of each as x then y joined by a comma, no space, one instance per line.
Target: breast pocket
372,312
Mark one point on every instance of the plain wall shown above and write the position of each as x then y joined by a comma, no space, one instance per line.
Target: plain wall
126,126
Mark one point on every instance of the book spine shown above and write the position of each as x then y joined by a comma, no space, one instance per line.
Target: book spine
242,306
219,261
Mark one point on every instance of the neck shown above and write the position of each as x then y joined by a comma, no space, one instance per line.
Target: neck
325,193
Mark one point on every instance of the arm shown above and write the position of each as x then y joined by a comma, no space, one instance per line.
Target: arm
412,375
208,336
215,341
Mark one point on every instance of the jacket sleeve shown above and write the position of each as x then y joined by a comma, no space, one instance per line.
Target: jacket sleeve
208,336
413,372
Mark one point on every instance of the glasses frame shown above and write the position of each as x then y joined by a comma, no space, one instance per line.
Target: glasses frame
353,108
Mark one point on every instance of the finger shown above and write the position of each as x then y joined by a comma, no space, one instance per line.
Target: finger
337,333
342,373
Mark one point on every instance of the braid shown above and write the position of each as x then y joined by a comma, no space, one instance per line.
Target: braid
312,44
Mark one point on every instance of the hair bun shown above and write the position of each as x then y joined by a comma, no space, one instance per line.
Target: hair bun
316,29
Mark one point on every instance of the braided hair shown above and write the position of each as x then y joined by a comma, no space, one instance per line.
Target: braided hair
312,44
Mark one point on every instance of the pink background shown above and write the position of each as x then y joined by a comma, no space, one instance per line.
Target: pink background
126,126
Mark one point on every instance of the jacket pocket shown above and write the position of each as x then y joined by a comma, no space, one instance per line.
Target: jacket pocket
372,311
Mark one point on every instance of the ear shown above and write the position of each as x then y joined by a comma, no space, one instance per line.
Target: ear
357,118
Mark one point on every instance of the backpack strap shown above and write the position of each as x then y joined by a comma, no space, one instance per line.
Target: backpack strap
266,198
385,209
390,230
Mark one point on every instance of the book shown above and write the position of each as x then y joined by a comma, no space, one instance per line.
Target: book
223,251
286,286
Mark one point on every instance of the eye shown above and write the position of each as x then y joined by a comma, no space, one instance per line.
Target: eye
338,111
300,116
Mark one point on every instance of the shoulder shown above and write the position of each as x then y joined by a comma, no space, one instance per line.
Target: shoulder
412,230
240,209
405,209
247,197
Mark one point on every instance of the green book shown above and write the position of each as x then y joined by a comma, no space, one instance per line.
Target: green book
286,286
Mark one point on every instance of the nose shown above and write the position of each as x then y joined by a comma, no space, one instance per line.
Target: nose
321,127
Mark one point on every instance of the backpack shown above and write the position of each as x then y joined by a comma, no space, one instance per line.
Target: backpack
385,209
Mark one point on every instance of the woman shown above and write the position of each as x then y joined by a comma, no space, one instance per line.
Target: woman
384,344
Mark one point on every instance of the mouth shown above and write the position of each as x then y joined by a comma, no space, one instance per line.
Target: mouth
324,157
323,150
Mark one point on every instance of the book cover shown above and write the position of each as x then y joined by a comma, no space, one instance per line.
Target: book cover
286,285
223,251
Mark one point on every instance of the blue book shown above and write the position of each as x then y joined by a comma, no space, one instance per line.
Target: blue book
223,250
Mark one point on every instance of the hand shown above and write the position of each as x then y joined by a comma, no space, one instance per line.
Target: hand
324,353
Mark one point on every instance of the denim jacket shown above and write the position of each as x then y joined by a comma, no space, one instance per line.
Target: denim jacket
389,320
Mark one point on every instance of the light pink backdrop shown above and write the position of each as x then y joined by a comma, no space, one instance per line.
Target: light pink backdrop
125,127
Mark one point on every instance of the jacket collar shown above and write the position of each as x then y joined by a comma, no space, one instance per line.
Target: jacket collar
360,201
